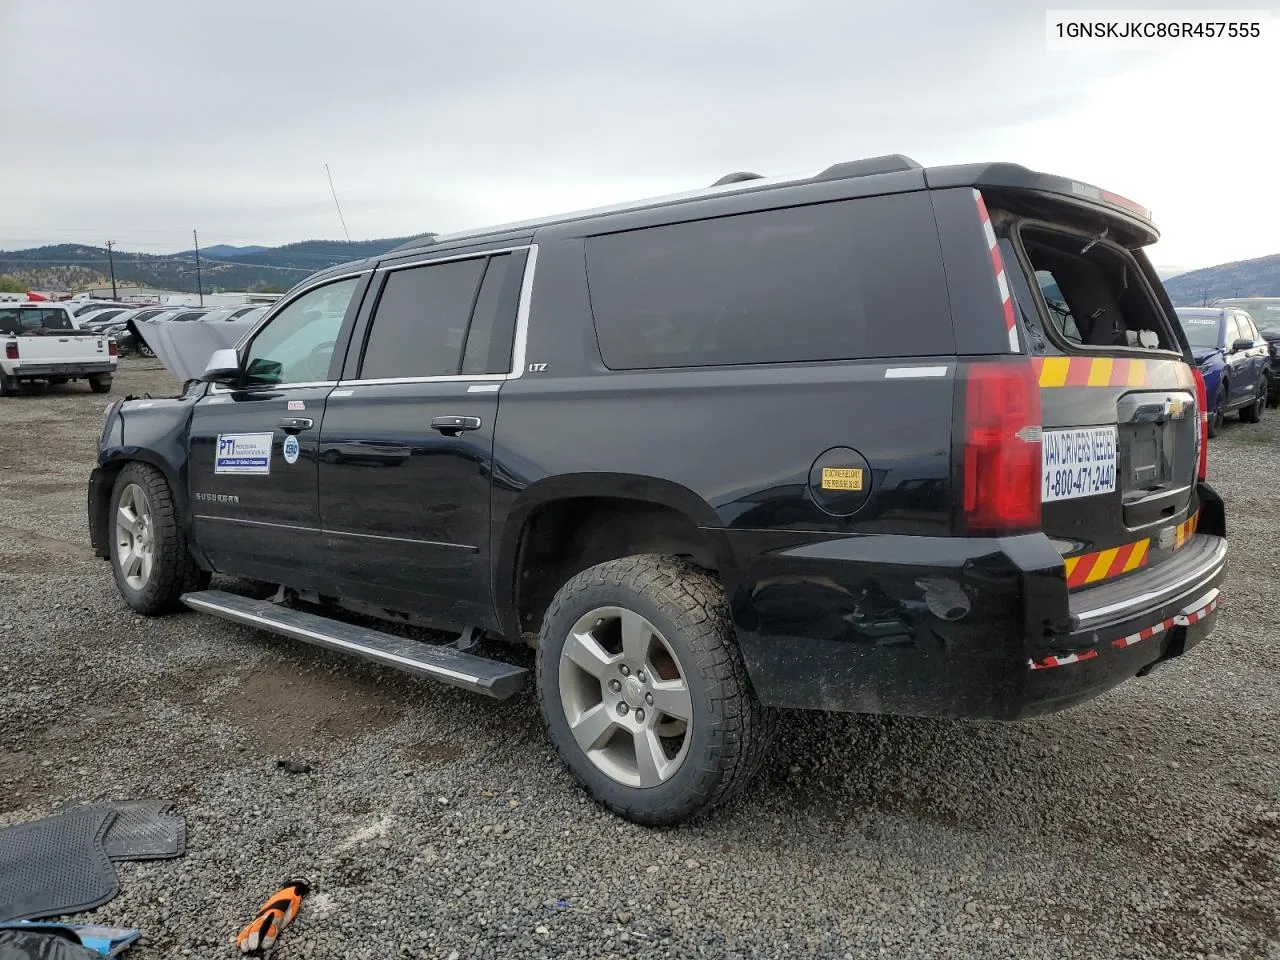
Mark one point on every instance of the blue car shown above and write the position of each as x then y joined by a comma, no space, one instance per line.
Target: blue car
1233,358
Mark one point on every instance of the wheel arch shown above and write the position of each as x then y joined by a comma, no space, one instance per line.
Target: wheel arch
645,514
102,485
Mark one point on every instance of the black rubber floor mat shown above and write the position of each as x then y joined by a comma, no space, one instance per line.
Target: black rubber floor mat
145,830
33,945
57,865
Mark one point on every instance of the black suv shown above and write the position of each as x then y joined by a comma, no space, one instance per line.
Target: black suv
884,439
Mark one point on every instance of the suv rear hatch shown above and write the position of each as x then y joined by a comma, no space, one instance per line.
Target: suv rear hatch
1121,426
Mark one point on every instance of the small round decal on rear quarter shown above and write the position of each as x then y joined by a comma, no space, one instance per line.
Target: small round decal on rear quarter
291,449
840,481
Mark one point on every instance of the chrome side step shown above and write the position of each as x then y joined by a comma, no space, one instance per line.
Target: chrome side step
446,664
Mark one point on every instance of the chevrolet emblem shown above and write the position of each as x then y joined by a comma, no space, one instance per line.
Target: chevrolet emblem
1175,409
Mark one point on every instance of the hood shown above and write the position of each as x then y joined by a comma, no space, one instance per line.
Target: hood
185,347
1201,354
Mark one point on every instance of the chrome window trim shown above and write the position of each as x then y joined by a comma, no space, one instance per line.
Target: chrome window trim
447,257
217,388
518,348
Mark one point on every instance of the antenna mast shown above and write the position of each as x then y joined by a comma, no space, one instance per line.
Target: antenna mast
341,218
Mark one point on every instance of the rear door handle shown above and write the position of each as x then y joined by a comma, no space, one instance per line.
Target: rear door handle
455,424
294,424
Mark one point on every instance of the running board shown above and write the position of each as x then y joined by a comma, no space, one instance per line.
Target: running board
444,663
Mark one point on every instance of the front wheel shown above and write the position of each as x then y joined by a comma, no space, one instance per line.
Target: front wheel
149,555
1253,412
643,690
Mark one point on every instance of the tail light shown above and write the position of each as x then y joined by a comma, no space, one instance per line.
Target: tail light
11,351
113,348
1001,448
1202,414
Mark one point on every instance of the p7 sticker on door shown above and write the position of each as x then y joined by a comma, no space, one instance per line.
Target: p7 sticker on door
243,453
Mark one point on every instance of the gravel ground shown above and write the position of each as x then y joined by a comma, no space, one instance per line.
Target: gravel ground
438,824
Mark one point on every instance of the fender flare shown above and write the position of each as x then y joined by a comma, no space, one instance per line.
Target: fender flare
617,486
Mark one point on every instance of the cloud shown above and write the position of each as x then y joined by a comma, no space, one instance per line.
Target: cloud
156,117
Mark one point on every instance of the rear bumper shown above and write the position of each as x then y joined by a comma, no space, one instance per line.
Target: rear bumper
955,627
37,370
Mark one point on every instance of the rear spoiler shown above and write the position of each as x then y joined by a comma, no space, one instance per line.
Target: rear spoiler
1018,182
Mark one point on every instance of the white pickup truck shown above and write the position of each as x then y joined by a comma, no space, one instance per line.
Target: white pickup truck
41,342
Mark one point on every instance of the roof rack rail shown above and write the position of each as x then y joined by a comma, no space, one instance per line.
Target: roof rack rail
421,240
737,177
889,163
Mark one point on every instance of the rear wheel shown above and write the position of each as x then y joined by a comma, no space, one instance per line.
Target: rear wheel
1219,414
100,383
8,386
1253,412
149,555
643,690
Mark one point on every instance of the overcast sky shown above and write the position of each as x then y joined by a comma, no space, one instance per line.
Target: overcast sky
137,120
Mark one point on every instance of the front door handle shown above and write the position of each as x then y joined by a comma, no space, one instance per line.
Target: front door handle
294,424
455,425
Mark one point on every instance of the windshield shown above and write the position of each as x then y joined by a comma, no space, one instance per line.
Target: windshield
1265,312
1201,330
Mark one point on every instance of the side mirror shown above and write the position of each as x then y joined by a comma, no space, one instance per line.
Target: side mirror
223,367
1241,344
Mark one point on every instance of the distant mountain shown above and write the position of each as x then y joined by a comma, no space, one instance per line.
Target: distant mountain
226,250
1244,278
222,267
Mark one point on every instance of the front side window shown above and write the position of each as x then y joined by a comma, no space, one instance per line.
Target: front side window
1233,331
1059,311
297,344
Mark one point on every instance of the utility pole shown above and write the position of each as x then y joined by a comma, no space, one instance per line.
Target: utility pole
112,261
199,285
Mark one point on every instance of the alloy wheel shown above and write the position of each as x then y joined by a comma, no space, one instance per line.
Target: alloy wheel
625,697
135,537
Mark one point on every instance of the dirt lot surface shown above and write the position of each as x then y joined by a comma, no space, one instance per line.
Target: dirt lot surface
438,824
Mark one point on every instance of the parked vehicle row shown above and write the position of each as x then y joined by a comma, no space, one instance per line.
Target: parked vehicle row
114,320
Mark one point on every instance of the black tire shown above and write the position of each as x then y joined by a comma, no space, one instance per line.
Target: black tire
173,569
100,383
729,732
8,386
1252,413
1219,415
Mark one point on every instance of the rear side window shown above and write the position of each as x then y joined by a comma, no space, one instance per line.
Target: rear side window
834,281
421,321
442,320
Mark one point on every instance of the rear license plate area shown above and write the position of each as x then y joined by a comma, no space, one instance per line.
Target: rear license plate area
1079,462
1144,464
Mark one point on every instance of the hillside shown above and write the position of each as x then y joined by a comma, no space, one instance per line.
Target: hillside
1244,278
71,266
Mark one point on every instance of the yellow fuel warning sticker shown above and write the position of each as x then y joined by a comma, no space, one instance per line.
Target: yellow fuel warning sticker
841,478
